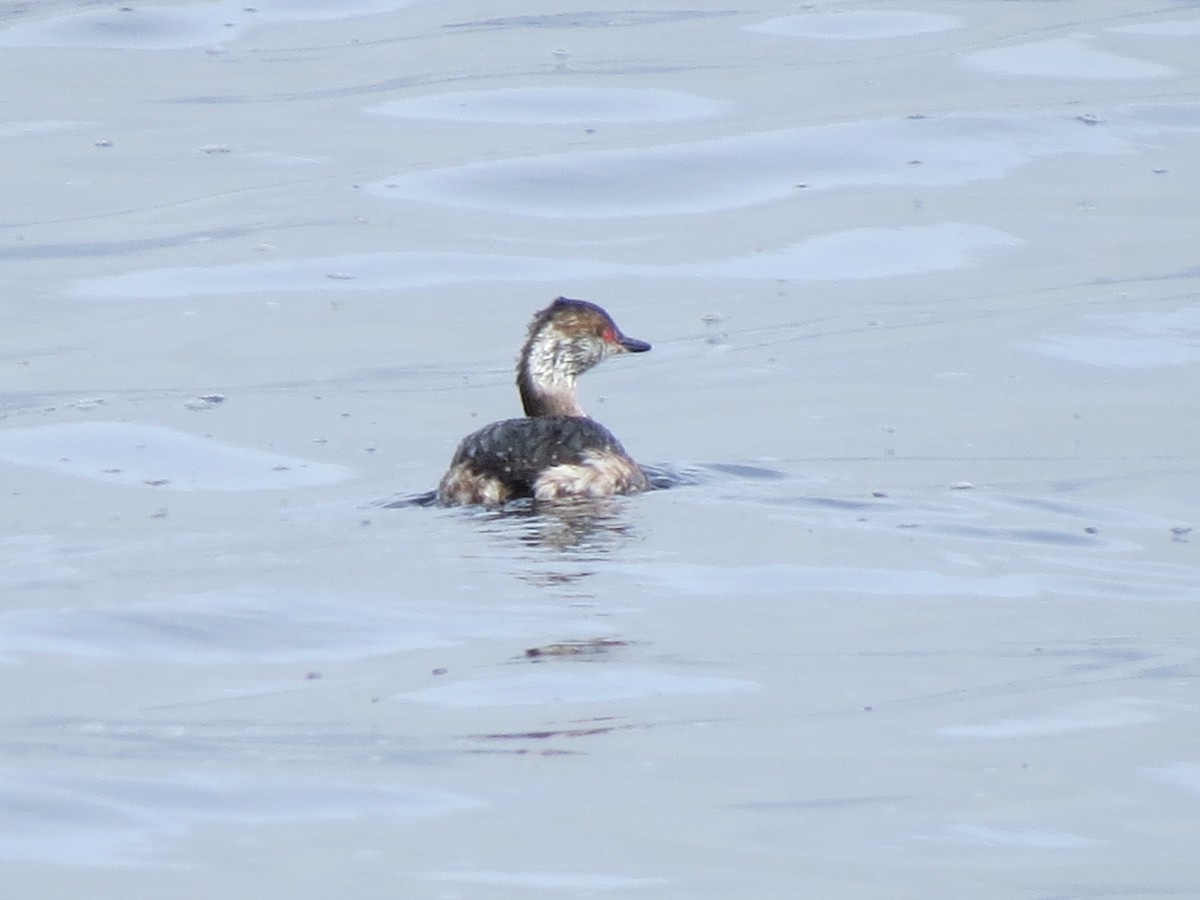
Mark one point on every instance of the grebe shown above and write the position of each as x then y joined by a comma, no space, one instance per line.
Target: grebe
557,451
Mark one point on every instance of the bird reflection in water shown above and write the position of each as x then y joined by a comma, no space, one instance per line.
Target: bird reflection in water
591,528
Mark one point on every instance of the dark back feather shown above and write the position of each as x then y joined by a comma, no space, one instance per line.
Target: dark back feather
517,451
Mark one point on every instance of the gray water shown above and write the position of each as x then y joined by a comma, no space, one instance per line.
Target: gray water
912,613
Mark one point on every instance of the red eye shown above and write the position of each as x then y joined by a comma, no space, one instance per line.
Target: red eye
609,335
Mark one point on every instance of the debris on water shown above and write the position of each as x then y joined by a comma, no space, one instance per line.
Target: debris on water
1179,533
584,728
961,486
206,401
589,647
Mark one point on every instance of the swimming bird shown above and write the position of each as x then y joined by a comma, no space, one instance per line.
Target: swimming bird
557,451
